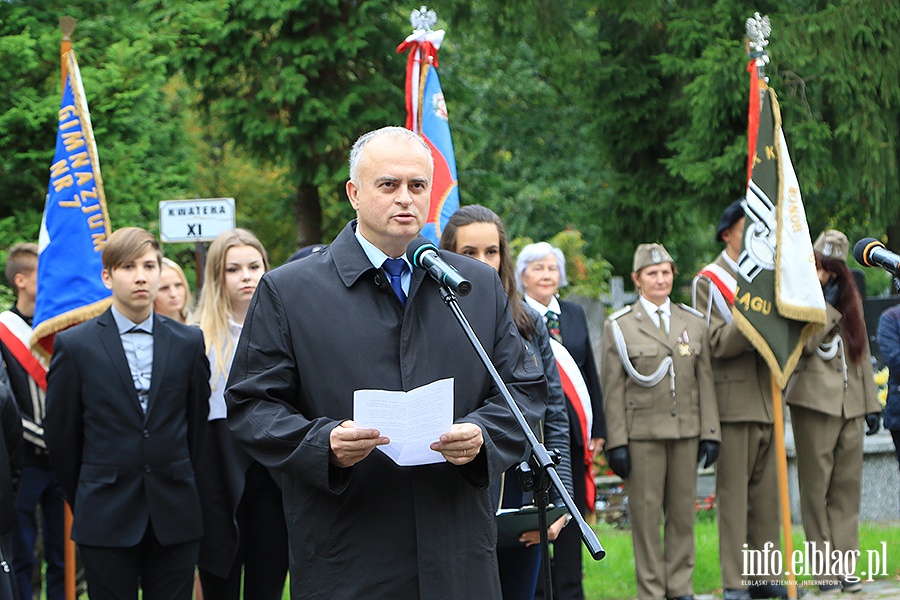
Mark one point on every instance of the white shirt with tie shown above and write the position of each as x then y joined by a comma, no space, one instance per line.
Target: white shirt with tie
656,313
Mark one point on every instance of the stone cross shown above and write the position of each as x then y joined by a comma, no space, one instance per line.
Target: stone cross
618,297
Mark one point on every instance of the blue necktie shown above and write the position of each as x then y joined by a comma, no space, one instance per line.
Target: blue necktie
395,268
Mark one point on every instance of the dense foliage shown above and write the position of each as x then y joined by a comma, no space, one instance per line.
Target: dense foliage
614,123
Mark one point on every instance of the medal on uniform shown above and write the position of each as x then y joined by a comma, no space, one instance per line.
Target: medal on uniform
683,340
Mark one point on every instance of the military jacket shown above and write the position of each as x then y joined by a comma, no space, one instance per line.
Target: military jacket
819,382
683,406
743,380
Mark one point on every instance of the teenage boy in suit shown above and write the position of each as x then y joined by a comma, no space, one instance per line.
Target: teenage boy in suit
127,400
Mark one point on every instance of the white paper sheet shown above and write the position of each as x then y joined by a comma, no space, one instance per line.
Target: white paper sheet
412,420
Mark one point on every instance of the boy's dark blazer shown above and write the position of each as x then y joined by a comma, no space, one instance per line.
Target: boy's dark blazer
120,468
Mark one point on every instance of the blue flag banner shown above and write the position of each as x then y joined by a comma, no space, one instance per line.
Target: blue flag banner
426,114
75,224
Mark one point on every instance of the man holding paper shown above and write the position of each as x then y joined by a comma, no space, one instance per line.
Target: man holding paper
354,317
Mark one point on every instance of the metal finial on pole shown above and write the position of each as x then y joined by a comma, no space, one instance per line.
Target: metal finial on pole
758,31
423,19
67,26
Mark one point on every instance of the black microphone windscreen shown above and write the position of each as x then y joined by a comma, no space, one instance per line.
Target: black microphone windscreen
862,248
415,248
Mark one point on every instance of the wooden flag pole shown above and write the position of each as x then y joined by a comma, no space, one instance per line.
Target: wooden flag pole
758,31
785,502
69,554
67,26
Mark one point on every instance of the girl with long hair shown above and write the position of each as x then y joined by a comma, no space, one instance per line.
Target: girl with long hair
243,519
478,232
833,400
174,298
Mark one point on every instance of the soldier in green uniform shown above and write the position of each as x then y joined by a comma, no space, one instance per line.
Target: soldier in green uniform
746,476
662,419
833,401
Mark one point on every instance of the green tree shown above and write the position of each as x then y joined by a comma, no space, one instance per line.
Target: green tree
520,132
672,98
838,66
662,92
138,126
293,84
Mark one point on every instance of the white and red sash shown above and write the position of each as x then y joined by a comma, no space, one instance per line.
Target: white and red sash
722,280
576,392
16,336
721,293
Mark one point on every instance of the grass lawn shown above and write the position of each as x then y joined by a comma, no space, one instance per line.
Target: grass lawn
613,577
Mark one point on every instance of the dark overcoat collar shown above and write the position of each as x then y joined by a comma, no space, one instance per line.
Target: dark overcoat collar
352,263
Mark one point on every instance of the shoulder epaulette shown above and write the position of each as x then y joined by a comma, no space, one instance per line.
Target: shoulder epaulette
692,310
619,313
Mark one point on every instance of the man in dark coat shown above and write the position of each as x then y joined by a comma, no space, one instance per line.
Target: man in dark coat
323,327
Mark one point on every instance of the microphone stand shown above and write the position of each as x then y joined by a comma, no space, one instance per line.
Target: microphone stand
540,471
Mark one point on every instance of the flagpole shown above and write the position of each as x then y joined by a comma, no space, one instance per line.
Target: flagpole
758,31
67,27
426,114
781,456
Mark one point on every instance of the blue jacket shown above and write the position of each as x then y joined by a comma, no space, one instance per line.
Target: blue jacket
889,343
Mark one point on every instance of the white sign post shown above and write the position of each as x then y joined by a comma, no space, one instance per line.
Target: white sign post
198,220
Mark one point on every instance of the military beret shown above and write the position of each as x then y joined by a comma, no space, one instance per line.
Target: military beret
732,215
832,243
650,254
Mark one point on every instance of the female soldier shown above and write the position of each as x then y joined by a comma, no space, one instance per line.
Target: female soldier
662,417
831,394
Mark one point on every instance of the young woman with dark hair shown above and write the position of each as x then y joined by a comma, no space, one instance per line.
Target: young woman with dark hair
478,232
833,400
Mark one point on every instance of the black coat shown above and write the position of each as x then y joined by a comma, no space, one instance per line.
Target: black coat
10,454
574,329
118,467
321,328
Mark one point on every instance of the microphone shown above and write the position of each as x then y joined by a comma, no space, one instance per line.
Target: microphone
872,253
424,255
